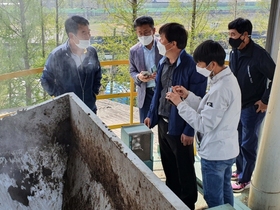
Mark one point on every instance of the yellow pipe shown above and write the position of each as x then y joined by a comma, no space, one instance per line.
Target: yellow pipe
116,95
120,125
131,100
22,73
114,62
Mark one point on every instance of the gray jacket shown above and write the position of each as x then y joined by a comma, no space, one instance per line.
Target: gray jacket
137,64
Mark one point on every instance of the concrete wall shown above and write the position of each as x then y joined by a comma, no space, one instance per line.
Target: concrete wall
32,162
62,148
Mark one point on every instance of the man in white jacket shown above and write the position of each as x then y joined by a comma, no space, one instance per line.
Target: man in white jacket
215,118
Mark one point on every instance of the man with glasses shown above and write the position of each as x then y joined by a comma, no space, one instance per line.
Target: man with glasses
174,134
144,58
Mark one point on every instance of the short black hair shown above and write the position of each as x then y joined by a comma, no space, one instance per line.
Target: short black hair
208,51
144,20
72,24
241,25
175,32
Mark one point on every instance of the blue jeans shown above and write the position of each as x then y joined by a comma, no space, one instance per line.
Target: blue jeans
143,112
216,175
248,129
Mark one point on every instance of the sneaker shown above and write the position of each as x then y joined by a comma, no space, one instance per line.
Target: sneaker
239,187
234,176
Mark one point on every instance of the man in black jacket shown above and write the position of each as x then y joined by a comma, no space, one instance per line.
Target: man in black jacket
253,68
74,65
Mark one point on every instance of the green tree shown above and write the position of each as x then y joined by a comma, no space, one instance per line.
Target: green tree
195,16
24,37
261,20
120,36
17,36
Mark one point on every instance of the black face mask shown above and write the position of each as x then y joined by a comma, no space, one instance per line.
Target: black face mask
235,43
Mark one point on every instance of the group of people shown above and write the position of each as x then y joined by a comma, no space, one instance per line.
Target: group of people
171,86
225,121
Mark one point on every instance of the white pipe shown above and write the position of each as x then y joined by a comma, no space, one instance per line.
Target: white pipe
265,185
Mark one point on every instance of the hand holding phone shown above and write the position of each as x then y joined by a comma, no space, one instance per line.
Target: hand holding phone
170,90
145,73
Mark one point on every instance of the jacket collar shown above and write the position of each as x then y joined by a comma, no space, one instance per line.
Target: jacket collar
166,60
66,47
248,50
220,75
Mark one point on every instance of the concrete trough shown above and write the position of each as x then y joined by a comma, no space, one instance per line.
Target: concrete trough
60,155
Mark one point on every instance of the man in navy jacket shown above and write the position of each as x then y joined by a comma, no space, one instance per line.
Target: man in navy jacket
74,65
175,135
253,68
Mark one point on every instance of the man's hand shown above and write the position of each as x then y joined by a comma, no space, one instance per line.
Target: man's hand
144,77
147,122
261,106
186,140
181,90
173,97
177,95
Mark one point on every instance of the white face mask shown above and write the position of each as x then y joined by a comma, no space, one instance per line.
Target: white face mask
145,40
83,44
203,71
161,48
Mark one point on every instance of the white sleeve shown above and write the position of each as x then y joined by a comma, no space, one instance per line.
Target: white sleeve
193,100
211,113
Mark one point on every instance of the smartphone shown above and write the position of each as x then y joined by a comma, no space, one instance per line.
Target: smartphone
154,69
170,90
145,73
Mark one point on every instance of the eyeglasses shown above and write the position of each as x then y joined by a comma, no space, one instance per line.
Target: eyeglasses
145,33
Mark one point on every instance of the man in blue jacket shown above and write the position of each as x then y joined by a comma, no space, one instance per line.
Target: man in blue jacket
253,67
175,135
74,65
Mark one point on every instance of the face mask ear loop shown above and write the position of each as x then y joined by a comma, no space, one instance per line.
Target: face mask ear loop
208,65
244,37
249,36
77,38
212,74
